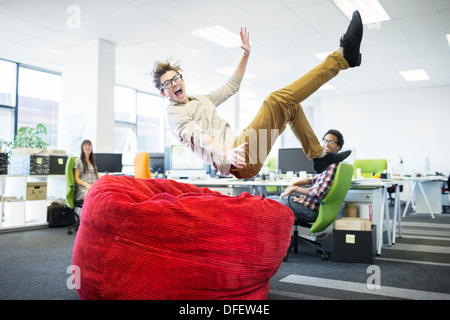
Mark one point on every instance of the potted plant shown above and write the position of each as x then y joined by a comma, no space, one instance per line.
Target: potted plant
22,151
27,137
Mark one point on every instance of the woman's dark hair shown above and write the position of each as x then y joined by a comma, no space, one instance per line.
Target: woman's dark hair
91,157
337,134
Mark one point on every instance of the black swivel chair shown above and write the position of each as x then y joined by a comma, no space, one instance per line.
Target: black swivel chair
391,191
445,191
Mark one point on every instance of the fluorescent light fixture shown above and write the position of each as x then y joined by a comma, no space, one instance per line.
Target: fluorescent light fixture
220,36
322,55
371,10
414,75
448,39
228,71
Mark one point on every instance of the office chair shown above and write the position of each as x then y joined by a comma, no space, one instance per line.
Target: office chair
445,192
142,166
70,194
327,210
271,164
369,167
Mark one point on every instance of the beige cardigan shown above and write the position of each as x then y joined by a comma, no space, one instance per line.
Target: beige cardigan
193,121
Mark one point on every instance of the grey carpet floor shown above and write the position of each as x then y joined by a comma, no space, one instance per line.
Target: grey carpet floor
33,266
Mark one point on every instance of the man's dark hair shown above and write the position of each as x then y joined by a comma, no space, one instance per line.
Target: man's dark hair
160,68
337,134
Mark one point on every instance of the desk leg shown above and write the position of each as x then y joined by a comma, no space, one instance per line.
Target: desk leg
426,199
409,198
380,225
387,218
397,215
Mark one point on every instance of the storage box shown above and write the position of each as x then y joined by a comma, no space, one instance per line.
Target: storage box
3,163
36,190
350,223
57,164
354,246
29,164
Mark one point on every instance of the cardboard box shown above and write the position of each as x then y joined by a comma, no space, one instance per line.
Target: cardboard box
354,246
36,190
350,223
57,164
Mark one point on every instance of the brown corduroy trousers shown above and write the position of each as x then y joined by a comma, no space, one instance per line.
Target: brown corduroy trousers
283,107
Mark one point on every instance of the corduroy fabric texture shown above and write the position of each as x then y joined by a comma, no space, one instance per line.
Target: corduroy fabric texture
164,240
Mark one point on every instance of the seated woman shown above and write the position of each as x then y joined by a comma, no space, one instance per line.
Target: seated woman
85,171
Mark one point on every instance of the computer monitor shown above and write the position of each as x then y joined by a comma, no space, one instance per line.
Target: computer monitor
156,162
185,164
294,159
108,162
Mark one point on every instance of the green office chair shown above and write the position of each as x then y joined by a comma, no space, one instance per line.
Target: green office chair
369,167
327,211
271,164
70,193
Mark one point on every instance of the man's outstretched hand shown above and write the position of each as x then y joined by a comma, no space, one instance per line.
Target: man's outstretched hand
245,37
236,157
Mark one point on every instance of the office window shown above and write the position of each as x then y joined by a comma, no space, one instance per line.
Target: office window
39,99
124,104
7,124
126,144
139,124
150,123
8,72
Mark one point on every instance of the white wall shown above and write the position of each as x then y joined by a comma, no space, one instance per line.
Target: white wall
411,124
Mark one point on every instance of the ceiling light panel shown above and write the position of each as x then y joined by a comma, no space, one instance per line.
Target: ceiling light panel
371,10
220,36
414,75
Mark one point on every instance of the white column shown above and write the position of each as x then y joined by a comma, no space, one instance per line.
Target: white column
87,106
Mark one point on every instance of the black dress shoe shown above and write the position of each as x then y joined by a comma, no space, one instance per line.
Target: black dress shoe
321,164
351,41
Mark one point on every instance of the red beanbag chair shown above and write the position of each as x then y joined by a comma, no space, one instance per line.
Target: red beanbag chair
160,239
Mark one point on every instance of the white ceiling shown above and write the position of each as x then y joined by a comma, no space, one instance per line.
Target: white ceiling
284,33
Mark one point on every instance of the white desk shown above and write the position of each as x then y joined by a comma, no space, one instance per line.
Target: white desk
380,215
373,191
430,189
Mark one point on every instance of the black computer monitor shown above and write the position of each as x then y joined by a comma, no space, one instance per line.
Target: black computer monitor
108,162
294,159
156,162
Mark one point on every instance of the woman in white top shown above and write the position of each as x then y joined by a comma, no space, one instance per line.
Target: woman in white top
85,171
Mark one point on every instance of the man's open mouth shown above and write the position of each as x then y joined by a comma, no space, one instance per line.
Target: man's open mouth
178,93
